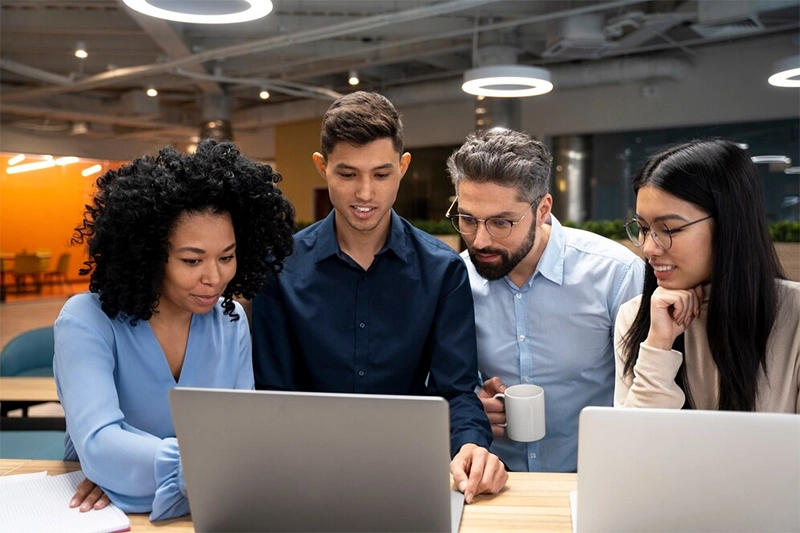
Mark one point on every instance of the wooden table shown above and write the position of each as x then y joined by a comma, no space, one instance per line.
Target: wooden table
22,389
530,502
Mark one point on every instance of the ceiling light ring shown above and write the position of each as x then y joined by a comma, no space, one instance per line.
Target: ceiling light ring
257,9
787,72
510,81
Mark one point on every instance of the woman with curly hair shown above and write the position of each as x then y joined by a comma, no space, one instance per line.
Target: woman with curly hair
717,325
171,240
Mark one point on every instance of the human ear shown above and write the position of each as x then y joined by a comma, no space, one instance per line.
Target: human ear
320,164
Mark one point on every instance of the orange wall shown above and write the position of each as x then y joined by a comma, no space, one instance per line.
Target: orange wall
294,145
40,209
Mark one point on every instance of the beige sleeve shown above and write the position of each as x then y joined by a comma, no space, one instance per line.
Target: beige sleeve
653,381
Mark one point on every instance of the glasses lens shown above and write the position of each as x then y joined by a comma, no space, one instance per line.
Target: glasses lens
635,233
662,236
464,224
499,227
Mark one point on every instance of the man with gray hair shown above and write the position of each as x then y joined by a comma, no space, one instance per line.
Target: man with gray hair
546,297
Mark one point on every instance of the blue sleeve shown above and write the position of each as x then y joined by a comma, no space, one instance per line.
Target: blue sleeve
630,285
453,350
244,374
139,471
273,361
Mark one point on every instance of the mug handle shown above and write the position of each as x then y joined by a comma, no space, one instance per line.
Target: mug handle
502,397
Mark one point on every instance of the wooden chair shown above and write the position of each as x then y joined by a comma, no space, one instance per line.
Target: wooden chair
60,273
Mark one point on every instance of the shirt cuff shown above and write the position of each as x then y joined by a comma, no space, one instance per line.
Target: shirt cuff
170,499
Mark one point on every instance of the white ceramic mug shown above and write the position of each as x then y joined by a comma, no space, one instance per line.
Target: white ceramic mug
524,412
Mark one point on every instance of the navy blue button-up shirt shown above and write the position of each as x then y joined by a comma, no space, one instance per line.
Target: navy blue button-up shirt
404,326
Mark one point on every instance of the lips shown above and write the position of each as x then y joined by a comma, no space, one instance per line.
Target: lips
206,300
362,211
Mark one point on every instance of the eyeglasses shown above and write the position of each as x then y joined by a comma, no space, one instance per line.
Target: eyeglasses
662,235
497,227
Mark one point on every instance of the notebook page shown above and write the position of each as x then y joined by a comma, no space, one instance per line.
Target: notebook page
42,504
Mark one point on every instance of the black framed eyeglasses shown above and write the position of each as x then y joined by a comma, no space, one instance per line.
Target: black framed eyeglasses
497,227
662,235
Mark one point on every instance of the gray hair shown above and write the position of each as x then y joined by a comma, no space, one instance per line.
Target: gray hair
503,157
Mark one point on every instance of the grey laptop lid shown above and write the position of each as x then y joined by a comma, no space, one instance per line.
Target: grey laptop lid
292,461
649,470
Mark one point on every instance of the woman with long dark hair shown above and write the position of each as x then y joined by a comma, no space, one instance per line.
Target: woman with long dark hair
717,325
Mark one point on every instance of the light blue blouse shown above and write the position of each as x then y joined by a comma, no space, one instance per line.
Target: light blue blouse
114,380
556,331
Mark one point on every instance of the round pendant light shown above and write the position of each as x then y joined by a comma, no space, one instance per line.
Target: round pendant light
205,12
787,73
507,81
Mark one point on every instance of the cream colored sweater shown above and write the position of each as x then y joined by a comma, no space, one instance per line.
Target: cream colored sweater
653,381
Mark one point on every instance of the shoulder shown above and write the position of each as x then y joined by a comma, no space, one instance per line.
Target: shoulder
599,247
788,297
85,306
426,243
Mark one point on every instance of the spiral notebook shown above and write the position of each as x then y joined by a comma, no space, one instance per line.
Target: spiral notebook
36,503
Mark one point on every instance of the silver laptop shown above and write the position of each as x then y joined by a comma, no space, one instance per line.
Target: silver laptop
293,461
653,470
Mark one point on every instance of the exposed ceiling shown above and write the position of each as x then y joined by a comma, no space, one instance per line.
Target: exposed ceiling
304,50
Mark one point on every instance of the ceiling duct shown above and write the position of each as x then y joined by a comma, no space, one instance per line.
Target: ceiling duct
576,36
721,18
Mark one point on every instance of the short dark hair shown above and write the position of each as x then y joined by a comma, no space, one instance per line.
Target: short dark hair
134,210
358,119
503,157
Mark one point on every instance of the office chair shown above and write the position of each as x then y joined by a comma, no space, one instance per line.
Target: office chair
29,354
60,273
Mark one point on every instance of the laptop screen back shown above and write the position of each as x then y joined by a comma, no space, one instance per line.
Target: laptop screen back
291,461
652,470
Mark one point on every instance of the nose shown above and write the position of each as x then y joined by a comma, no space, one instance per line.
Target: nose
211,273
650,248
364,190
482,238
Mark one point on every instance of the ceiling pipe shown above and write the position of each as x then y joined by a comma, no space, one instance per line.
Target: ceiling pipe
280,41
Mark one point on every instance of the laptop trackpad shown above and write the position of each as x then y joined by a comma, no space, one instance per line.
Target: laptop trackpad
456,506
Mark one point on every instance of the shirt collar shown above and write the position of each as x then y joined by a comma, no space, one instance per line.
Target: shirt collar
551,264
327,245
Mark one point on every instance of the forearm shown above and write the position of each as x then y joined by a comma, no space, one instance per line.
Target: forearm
653,381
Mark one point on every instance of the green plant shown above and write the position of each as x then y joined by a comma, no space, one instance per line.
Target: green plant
785,231
435,227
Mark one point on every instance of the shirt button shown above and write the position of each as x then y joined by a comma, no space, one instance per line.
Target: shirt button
360,372
533,456
519,295
362,325
522,338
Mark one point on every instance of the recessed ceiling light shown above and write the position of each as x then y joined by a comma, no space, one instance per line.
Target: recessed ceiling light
264,94
352,78
507,81
80,51
205,12
152,92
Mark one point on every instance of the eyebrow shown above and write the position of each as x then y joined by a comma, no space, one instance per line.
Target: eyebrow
192,249
663,218
345,166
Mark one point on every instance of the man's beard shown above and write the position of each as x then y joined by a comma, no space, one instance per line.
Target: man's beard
508,261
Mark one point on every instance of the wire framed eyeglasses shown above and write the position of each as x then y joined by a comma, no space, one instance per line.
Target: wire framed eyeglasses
497,227
638,231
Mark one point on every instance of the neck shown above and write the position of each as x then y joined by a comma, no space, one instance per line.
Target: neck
360,245
525,269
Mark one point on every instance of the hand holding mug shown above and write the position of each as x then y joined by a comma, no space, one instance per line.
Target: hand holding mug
524,406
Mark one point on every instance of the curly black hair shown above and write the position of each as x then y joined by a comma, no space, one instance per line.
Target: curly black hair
135,208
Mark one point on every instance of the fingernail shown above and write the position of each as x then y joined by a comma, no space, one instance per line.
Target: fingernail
99,505
462,486
85,507
468,498
73,502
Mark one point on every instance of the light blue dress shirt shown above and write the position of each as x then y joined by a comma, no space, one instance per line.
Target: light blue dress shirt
556,331
114,381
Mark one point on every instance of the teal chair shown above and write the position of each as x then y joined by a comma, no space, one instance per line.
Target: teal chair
29,354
